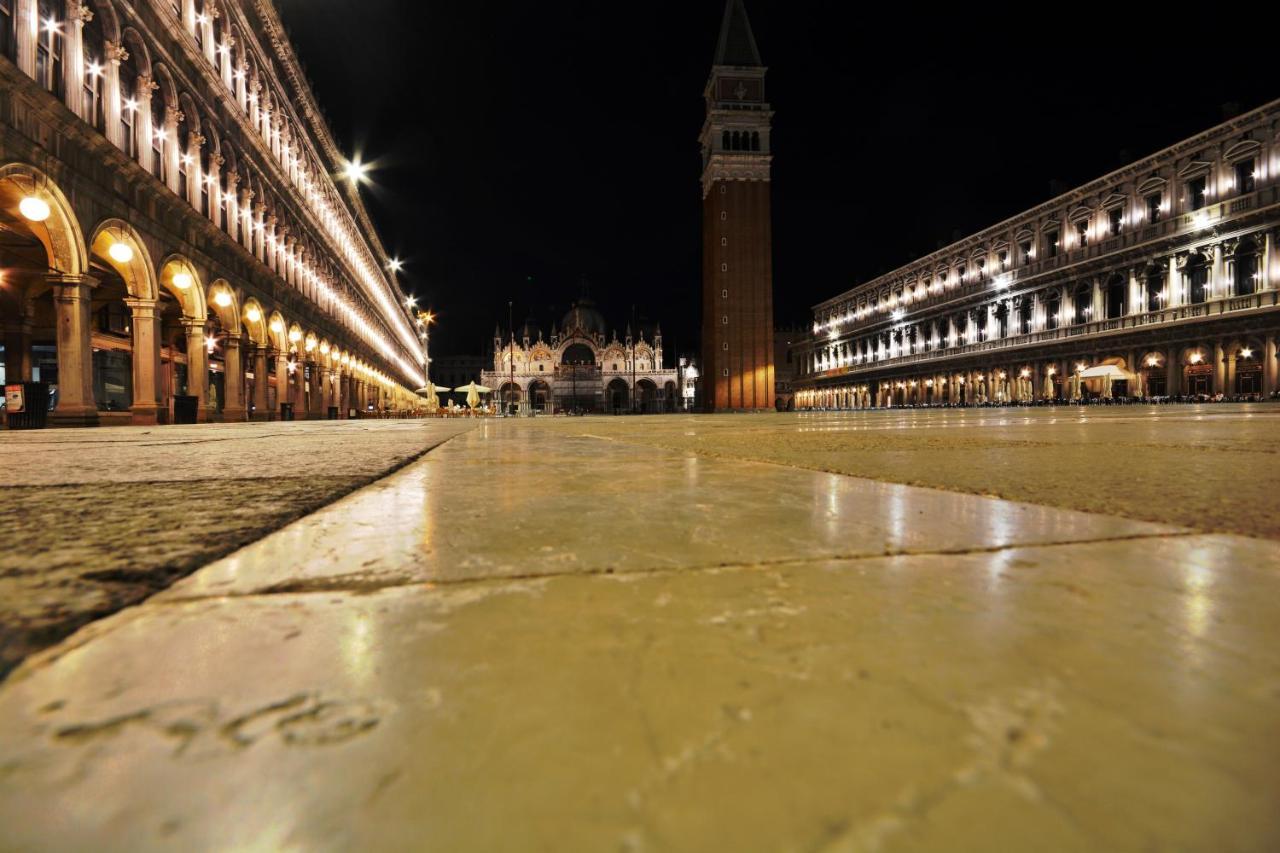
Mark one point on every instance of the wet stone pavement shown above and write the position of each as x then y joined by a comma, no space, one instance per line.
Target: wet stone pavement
95,520
558,635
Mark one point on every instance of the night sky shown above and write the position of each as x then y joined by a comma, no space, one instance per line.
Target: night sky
558,139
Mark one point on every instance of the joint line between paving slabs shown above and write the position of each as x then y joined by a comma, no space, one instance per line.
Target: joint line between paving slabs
367,585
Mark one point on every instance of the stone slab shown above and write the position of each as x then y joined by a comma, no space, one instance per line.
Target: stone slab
1095,696
524,500
95,520
1211,467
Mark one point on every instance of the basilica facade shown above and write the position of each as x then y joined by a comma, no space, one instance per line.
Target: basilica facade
578,367
1159,280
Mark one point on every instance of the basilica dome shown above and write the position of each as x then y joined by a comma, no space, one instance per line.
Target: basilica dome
583,316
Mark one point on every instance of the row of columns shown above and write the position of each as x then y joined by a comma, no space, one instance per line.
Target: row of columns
1176,289
72,300
1031,382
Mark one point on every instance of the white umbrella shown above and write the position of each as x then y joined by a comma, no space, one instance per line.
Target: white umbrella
473,393
1048,387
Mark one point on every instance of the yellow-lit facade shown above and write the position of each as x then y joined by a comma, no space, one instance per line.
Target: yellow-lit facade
178,222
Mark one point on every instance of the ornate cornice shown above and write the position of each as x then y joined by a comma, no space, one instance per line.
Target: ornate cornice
736,167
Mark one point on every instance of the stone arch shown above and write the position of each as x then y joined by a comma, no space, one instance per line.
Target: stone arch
139,54
228,309
164,80
253,319
279,330
107,15
138,272
190,112
59,233
179,276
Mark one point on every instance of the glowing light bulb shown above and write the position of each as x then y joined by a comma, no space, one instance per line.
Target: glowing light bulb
182,280
34,208
121,252
222,299
254,314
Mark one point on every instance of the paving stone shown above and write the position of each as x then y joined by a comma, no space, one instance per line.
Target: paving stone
99,519
1210,467
1092,696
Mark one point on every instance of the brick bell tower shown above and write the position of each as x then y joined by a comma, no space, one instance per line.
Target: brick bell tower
737,235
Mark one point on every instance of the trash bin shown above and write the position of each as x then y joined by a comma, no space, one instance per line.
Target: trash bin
27,405
333,413
185,407
286,411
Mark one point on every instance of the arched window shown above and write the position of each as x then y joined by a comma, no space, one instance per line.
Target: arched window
200,19
755,140
1197,279
129,105
725,140
8,34
206,174
1244,267
1024,316
94,50
158,132
49,45
184,157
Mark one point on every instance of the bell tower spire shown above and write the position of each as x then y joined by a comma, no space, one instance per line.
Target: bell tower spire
737,252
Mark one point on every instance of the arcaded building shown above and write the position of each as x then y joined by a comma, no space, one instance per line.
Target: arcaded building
1158,280
172,223
578,366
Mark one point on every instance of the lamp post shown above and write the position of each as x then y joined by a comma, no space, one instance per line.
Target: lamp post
425,319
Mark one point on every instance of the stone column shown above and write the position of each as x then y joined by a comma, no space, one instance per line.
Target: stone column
1219,369
146,361
115,54
260,380
326,390
27,26
142,122
1173,373
233,408
1269,367
191,192
73,65
299,393
1217,283
72,298
1229,387
1174,285
172,118
245,209
214,188
282,380
197,366
241,77
232,224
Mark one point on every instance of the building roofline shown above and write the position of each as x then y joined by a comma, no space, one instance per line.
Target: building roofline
967,243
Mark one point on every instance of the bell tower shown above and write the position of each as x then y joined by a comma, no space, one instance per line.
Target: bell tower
737,234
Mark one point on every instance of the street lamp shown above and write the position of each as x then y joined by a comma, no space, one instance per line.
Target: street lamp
425,319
